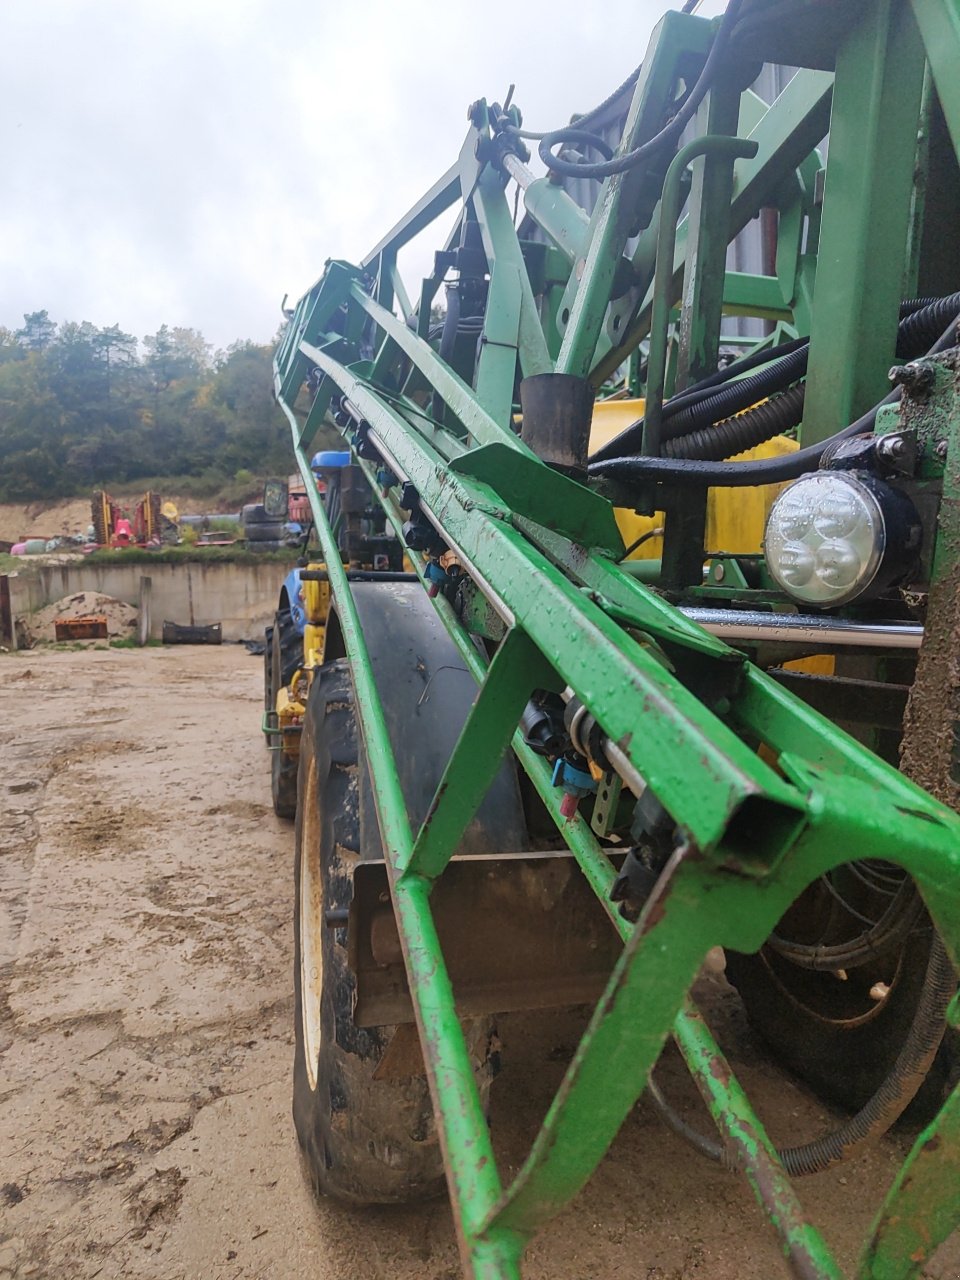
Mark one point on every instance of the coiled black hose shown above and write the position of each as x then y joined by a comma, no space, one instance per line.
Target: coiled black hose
899,920
749,429
667,136
885,1107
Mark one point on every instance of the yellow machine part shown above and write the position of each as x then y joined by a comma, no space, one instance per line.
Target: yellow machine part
291,702
735,517
313,644
316,599
290,713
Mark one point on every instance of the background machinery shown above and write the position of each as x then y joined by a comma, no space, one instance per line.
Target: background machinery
632,630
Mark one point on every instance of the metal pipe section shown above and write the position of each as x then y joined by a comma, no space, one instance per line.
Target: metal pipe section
804,628
556,212
517,170
670,204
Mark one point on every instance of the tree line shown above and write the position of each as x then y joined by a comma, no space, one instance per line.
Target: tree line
83,407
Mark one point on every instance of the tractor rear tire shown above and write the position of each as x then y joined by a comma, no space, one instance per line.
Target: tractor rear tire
364,1140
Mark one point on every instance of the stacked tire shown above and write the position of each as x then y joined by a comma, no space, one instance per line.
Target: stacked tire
258,526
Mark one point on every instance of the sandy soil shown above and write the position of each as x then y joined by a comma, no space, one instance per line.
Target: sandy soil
145,1026
19,521
41,627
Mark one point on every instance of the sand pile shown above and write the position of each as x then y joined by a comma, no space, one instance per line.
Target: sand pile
121,617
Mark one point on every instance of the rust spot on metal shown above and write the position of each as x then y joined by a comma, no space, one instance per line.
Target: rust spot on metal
431,813
720,1070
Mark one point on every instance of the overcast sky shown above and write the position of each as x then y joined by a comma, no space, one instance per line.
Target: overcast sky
190,161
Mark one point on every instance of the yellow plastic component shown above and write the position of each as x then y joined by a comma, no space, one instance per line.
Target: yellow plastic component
821,664
313,644
290,713
316,599
735,517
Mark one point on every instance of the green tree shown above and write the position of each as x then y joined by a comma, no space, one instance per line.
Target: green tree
82,407
38,330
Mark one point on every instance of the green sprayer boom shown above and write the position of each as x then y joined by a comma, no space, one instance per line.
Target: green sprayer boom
644,696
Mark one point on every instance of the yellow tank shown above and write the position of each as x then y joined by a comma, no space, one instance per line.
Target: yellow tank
735,517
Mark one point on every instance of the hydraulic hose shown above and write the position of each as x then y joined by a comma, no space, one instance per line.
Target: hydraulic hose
885,1107
668,135
772,418
921,328
701,390
730,475
922,320
736,396
784,411
700,474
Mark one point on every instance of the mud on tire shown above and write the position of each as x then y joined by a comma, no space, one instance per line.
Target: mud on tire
364,1141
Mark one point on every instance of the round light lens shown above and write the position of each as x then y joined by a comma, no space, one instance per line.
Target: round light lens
825,538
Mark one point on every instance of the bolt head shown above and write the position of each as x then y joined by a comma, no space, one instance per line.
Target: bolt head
891,447
941,449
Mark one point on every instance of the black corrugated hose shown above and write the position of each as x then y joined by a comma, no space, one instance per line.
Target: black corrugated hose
717,397
705,474
736,397
726,439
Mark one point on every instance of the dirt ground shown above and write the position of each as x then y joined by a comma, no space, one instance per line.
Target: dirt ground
145,1026
72,515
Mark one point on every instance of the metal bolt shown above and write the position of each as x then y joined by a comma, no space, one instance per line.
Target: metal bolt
915,376
941,450
891,446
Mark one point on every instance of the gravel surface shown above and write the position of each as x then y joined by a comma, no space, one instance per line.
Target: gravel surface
145,1026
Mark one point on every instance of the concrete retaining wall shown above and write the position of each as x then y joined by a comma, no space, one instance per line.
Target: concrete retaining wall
241,597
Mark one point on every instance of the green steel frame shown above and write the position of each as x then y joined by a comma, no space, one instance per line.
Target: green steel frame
543,551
